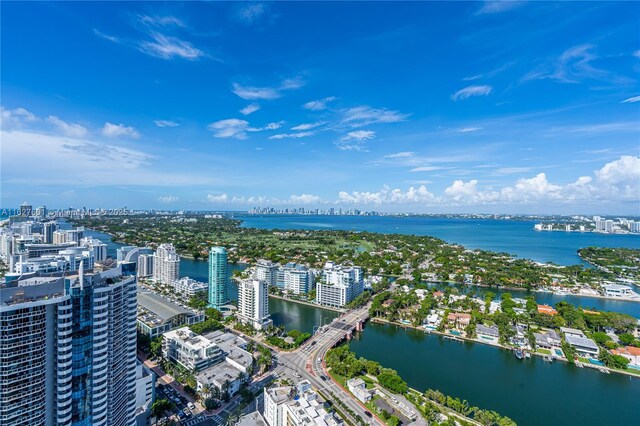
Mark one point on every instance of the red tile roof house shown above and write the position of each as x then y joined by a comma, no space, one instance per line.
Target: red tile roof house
547,310
629,352
459,320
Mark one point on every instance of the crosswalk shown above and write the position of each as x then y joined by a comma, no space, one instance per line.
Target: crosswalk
202,418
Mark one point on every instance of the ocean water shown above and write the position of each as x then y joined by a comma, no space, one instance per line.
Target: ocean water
517,238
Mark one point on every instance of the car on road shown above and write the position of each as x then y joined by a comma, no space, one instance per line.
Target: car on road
319,360
368,414
324,378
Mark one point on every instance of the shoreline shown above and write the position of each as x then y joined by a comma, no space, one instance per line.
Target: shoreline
536,290
313,305
495,345
510,288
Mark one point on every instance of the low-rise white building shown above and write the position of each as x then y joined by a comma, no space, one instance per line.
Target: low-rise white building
617,290
288,406
190,350
188,287
358,388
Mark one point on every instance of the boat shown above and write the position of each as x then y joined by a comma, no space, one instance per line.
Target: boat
548,358
519,353
579,365
604,370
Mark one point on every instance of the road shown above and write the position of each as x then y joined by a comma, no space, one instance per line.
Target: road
308,362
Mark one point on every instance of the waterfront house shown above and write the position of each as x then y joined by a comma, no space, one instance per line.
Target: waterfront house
629,352
548,340
438,294
546,310
572,332
433,319
358,388
458,320
617,290
583,346
487,333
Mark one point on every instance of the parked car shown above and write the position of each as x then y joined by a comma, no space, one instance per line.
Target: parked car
186,412
191,406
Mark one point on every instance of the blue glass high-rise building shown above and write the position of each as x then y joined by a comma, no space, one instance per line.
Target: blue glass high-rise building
218,277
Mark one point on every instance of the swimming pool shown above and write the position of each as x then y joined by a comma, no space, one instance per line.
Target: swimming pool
558,352
455,333
596,362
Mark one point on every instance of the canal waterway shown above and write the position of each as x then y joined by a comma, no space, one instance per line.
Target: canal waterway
531,392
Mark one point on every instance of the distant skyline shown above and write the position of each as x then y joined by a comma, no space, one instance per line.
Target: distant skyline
459,107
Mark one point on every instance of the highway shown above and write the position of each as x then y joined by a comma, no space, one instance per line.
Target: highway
308,362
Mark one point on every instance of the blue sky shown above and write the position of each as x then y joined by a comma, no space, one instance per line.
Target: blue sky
423,107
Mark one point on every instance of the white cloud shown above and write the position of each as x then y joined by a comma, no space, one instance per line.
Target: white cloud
354,141
502,171
498,6
470,91
403,154
573,66
305,199
167,47
94,163
469,129
320,104
252,93
15,117
616,181
386,195
636,53
116,130
252,12
222,198
111,38
237,128
249,109
291,135
427,168
166,123
167,199
365,115
308,126
631,100
273,126
68,129
230,128
161,21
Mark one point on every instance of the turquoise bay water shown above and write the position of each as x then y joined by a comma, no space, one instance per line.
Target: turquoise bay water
517,238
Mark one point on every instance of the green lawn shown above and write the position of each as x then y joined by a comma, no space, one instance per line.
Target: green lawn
543,351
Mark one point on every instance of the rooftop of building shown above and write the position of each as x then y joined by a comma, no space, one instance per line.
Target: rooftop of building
279,394
218,373
252,419
189,338
581,342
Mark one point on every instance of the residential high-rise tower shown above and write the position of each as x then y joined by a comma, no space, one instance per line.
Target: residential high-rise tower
218,277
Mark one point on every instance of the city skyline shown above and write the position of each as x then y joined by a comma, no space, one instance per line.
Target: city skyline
457,108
